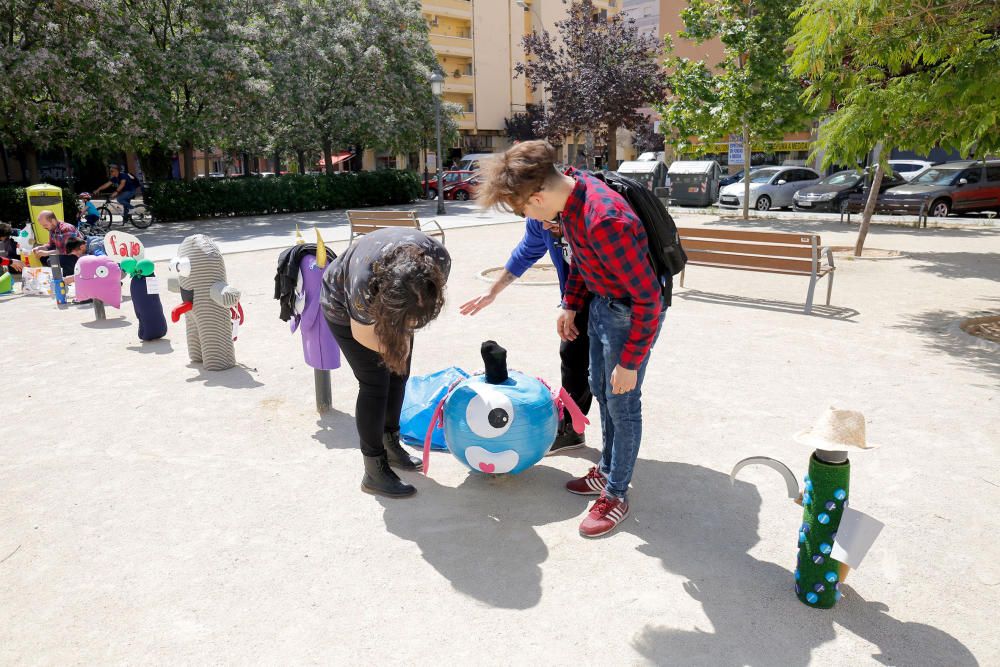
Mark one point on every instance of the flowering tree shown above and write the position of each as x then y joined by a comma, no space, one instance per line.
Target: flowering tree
596,75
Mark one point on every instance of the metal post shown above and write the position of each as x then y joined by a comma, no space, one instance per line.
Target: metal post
99,314
440,178
324,394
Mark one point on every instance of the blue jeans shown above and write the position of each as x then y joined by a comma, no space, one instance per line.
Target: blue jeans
621,414
125,199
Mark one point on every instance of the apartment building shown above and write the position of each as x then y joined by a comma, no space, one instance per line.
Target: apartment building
478,44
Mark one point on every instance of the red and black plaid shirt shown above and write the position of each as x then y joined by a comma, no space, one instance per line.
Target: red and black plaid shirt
610,259
59,235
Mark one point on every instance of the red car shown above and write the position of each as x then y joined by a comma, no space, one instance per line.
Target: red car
449,178
462,191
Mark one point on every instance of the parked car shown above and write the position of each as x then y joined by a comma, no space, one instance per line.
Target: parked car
770,187
952,187
463,190
738,176
834,192
910,169
449,177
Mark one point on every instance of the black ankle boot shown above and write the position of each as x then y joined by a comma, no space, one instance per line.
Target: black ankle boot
566,439
381,480
399,457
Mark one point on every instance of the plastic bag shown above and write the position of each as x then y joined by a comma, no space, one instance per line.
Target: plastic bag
423,393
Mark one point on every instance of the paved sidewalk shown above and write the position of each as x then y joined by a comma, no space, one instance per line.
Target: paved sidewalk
153,512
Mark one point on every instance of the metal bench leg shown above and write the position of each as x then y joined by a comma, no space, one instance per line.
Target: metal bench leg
682,277
809,298
829,287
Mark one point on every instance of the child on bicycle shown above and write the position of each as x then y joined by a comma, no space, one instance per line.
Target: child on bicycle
88,212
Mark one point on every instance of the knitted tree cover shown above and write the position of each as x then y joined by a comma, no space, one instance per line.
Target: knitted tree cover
827,485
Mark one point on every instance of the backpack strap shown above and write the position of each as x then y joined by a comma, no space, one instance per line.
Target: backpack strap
437,420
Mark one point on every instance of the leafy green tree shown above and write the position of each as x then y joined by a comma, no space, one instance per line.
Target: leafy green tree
914,74
596,74
750,91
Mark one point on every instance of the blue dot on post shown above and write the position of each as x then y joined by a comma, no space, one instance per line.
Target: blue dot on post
802,537
798,575
825,548
809,485
818,559
830,506
840,494
797,589
812,598
838,595
831,577
819,588
805,528
806,498
823,518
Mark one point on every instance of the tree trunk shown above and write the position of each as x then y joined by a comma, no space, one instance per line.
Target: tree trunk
866,218
747,158
277,162
247,166
31,164
187,151
588,143
157,163
68,168
6,162
302,161
612,164
328,156
208,162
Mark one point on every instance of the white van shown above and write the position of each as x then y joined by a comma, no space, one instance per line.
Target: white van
470,161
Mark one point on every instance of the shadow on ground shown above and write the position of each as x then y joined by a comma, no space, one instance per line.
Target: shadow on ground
701,527
695,522
158,346
481,536
237,377
938,332
336,430
819,310
959,264
110,323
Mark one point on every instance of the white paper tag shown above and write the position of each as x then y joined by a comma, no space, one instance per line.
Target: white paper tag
152,285
855,536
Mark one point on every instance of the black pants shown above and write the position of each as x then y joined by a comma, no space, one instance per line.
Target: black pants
575,356
380,392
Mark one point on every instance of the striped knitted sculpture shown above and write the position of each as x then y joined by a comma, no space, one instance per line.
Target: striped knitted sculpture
207,299
832,538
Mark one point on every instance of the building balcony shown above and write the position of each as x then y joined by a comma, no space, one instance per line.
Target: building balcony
451,46
461,84
460,9
466,122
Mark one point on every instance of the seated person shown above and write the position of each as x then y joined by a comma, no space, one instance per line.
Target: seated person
8,249
60,232
89,212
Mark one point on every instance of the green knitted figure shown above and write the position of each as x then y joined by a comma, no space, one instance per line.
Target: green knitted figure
830,542
817,575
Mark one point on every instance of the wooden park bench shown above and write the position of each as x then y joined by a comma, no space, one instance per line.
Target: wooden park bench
366,222
768,252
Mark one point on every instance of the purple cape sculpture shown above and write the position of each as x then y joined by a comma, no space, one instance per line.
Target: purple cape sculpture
318,345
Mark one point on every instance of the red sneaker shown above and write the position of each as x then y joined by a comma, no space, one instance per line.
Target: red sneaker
604,516
591,484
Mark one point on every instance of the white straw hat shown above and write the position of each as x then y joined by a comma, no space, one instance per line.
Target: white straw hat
836,430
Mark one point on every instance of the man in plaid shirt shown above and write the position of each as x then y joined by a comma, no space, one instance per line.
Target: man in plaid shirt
610,262
59,233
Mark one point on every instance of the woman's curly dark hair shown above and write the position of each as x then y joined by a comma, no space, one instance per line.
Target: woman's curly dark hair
407,288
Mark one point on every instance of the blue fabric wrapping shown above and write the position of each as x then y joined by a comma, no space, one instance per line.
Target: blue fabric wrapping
423,393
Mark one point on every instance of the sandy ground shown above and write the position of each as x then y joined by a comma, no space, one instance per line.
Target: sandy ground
152,512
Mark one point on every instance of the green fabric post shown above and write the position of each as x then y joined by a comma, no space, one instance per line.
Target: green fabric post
817,577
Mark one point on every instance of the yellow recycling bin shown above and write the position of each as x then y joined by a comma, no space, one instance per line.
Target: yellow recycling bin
42,197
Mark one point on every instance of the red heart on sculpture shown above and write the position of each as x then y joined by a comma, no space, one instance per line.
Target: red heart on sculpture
487,467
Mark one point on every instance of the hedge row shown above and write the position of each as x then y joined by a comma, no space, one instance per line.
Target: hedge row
14,205
221,197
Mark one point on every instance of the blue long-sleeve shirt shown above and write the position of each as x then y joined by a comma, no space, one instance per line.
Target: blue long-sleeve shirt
533,247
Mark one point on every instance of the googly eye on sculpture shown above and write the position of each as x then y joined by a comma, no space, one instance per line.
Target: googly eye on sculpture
832,538
502,421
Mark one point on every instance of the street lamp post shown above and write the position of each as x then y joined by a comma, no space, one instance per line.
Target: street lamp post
437,87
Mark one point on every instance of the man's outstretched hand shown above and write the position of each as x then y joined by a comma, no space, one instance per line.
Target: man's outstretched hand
475,305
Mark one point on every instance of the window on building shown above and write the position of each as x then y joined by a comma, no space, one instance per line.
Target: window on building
385,161
468,69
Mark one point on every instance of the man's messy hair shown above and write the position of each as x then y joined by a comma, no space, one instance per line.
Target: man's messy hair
509,179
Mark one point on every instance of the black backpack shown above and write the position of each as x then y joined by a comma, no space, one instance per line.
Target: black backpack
665,252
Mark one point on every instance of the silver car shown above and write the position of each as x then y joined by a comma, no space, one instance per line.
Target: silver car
771,187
